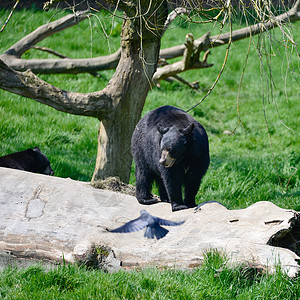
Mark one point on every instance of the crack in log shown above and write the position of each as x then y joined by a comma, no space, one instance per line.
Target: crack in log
274,222
234,220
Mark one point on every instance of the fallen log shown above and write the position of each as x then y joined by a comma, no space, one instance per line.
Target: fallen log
52,220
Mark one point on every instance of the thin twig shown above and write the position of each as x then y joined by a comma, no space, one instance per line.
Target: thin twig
45,49
7,20
221,71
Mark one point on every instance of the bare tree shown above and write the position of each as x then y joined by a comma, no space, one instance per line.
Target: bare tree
119,105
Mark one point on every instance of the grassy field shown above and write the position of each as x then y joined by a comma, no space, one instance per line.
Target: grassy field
260,161
212,281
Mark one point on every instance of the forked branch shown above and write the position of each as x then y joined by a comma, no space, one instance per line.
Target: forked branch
189,61
12,57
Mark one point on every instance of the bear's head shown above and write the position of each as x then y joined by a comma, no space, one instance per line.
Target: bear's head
42,163
174,143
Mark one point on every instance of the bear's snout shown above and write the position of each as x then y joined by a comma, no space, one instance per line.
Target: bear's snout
48,171
166,159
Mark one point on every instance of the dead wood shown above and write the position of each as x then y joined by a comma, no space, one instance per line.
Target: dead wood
189,61
62,220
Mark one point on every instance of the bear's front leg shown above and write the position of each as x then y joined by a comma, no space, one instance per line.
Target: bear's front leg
173,181
144,181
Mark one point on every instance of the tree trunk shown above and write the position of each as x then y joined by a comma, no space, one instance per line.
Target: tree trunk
114,153
114,139
132,82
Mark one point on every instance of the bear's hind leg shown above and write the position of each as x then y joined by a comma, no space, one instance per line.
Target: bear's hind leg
192,184
162,192
144,181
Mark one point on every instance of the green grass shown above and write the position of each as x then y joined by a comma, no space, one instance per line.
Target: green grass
214,280
259,162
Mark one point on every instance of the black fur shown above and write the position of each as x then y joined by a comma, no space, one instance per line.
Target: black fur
31,160
172,129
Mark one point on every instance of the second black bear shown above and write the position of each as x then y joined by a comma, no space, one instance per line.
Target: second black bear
171,148
31,160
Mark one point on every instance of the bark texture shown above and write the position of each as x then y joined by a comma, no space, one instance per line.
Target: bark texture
130,85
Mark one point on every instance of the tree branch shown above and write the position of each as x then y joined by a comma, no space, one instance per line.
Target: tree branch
292,15
173,15
193,85
189,61
8,18
66,65
53,66
44,31
97,104
12,56
45,49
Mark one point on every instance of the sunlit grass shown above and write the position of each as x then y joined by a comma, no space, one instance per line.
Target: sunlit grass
260,161
214,280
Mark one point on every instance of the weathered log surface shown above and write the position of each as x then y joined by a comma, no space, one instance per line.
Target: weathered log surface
54,219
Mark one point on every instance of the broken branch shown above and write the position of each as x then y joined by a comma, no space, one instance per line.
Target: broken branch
190,61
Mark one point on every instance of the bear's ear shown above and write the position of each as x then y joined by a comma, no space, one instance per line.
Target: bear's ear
187,130
161,129
29,150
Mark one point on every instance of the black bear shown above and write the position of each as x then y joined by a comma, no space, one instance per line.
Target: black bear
31,160
171,148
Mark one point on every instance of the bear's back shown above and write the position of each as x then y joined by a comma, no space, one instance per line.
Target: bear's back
167,116
17,160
